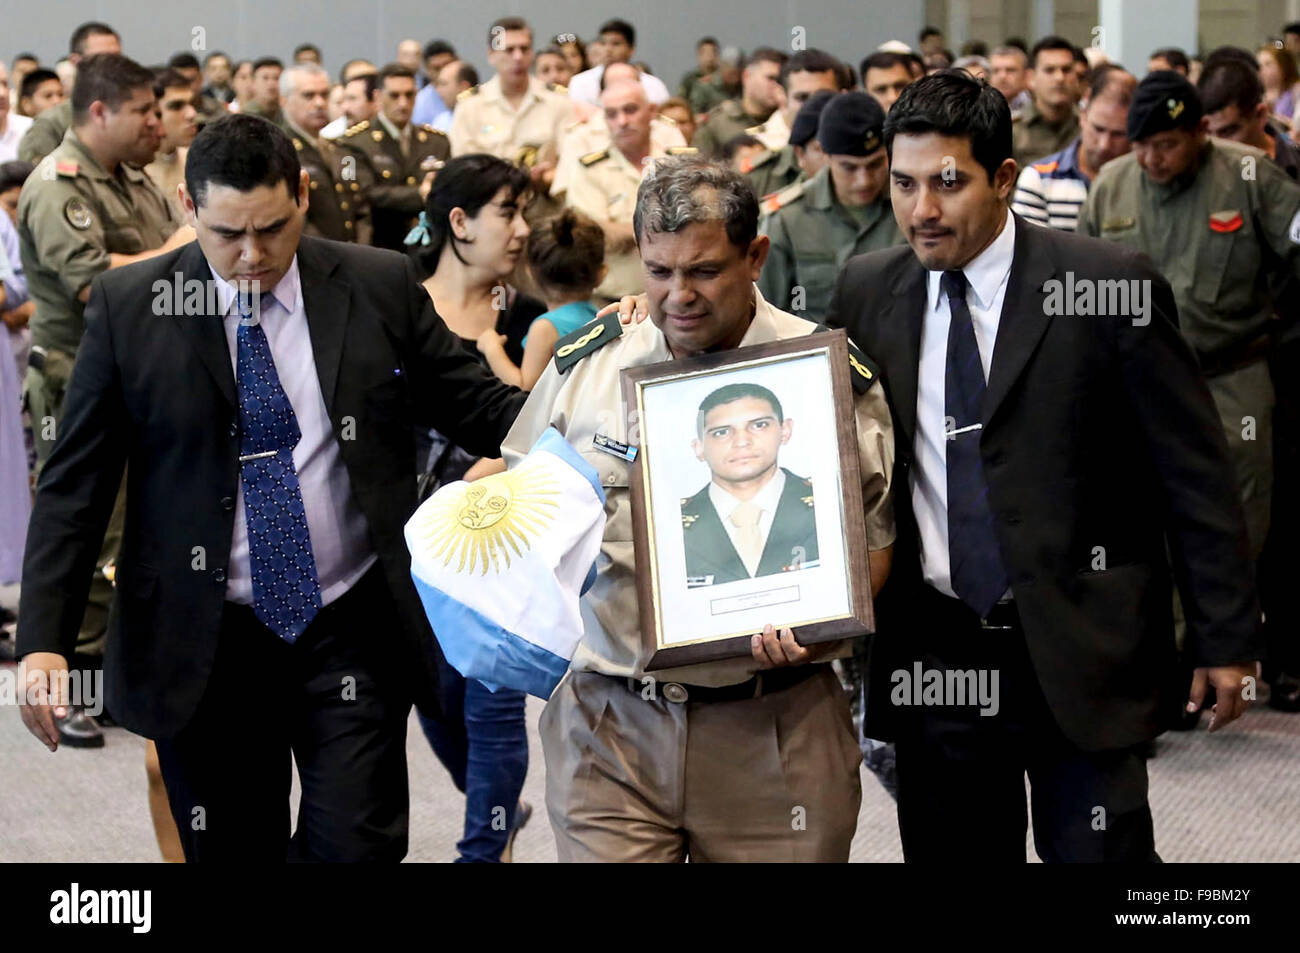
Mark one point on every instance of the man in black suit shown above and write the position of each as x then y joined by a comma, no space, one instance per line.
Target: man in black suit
1051,457
264,600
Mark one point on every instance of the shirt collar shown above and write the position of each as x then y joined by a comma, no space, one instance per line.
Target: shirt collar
986,271
287,292
1069,158
765,499
388,125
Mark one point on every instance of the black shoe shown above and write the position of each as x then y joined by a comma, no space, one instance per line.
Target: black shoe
522,813
79,730
1284,693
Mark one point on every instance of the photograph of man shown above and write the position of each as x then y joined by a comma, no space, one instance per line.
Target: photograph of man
754,518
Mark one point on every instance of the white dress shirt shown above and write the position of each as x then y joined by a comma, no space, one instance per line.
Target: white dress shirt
340,538
987,275
585,86
766,499
13,134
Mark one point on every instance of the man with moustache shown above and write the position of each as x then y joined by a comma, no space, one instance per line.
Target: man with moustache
1021,551
332,203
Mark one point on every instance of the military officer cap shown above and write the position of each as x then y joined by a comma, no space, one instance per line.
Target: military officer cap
1164,100
805,122
851,125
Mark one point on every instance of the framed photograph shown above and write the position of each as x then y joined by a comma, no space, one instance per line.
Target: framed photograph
746,499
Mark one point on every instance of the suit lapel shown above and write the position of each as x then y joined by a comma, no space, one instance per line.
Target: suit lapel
715,554
1024,319
793,528
206,332
325,299
900,326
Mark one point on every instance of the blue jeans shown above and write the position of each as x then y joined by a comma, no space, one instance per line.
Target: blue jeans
482,741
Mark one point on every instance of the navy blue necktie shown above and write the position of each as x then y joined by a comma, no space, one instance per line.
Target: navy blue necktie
286,590
978,576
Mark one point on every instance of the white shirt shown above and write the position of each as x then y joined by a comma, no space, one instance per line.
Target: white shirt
12,135
766,499
585,86
340,538
335,128
987,275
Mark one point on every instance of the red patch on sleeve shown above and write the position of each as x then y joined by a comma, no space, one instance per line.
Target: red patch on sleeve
1225,225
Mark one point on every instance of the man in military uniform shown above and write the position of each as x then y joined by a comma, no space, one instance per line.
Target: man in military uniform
709,760
1234,234
706,65
603,184
46,132
332,197
754,517
266,90
802,156
87,208
706,95
817,225
513,116
392,157
760,98
1048,123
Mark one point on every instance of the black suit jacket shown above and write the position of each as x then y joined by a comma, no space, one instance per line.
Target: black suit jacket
1097,433
155,393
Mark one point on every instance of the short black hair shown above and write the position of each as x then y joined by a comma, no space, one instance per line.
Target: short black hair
1175,57
766,54
14,173
343,70
1222,53
927,32
169,78
1293,27
1111,81
306,48
438,47
213,55
1047,43
183,61
108,78
812,61
621,27
953,103
1019,43
886,59
263,61
505,25
395,71
370,79
77,42
706,39
975,48
34,79
468,74
1230,82
242,152
729,394
738,142
26,56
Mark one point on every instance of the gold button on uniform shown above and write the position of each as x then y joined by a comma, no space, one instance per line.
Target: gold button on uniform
410,180
311,184
676,693
338,186
348,226
387,173
343,205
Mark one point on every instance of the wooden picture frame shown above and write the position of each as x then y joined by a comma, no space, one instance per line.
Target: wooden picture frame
728,612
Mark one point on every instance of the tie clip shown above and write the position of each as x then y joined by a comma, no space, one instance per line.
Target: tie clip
258,456
961,430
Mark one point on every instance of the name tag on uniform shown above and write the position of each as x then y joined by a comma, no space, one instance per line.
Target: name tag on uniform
613,447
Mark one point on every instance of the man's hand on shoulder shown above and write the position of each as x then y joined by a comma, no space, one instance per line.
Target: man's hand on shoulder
632,309
45,678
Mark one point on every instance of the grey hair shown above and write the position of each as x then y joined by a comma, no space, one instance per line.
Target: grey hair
686,190
964,62
287,81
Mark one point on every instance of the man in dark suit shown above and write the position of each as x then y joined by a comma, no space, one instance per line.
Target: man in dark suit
1050,458
264,600
754,517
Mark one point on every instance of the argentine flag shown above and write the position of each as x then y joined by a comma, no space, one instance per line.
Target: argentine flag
501,563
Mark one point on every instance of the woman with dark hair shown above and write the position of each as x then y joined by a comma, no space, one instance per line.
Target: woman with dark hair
573,51
470,236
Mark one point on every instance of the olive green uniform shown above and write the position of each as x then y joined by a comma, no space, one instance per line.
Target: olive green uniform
812,236
1033,136
45,132
1220,235
72,215
709,94
274,113
774,171
332,199
723,124
389,175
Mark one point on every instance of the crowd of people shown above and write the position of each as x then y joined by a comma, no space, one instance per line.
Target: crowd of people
519,205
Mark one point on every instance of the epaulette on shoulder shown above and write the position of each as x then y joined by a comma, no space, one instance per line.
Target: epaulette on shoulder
681,150
775,201
66,168
1045,168
862,372
466,93
591,158
576,345
756,130
558,88
764,159
362,126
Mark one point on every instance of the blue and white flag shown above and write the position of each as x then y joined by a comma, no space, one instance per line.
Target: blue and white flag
501,563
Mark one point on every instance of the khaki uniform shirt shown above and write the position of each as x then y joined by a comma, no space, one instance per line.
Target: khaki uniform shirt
728,121
333,200
485,121
592,135
388,176
773,172
812,236
71,216
1033,137
587,400
1219,236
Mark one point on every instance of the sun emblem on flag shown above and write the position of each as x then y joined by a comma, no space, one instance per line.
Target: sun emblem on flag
484,521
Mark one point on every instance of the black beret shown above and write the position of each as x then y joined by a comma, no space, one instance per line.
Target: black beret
804,127
851,125
1164,100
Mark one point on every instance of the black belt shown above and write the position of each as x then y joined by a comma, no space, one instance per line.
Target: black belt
763,683
956,615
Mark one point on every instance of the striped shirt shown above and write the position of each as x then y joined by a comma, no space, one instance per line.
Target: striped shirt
1051,192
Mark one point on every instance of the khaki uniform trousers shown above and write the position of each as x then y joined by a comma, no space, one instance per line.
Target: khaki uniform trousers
773,778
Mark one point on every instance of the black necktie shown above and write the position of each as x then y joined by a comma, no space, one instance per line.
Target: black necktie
978,576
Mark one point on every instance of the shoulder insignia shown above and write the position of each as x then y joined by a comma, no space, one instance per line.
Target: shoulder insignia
775,201
591,158
558,88
590,337
66,167
1117,224
1226,221
362,126
377,135
764,159
757,130
1045,168
862,372
297,143
466,93
807,501
681,150
669,120
77,212
688,519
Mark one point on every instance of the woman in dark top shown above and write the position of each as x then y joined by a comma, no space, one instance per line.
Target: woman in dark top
470,237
